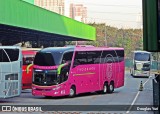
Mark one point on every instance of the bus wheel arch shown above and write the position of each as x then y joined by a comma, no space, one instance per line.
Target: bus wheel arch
111,87
72,91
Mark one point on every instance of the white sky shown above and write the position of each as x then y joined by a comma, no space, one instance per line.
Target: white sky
118,13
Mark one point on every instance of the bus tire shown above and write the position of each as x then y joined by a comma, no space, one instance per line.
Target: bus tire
72,92
131,72
111,87
105,88
48,97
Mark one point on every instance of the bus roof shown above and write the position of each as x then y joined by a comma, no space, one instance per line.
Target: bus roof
9,47
140,51
32,49
29,52
78,48
97,48
55,49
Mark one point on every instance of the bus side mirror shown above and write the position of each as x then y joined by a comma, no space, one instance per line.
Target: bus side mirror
63,61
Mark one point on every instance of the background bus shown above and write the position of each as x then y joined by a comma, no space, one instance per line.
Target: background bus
74,70
141,63
27,70
10,71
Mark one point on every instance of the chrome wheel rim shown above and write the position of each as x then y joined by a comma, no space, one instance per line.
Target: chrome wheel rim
111,87
71,92
105,89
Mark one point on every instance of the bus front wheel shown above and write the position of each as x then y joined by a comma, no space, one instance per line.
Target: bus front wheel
72,91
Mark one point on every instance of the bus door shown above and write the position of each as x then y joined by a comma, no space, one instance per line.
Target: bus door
64,68
77,73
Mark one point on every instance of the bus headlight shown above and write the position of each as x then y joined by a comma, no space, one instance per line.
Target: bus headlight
56,88
33,88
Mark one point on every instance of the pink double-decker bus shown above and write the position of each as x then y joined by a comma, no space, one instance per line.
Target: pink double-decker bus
61,71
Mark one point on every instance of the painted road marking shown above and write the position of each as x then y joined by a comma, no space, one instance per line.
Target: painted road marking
137,96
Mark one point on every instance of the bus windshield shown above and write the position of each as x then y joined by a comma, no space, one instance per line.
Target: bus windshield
142,56
9,55
28,59
47,59
47,79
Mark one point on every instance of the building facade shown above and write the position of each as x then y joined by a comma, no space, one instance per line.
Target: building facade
78,12
52,5
64,7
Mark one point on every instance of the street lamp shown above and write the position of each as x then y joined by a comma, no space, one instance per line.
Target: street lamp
105,35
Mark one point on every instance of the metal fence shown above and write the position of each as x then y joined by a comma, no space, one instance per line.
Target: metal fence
129,64
156,92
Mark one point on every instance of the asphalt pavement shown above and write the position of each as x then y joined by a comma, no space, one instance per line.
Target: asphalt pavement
127,99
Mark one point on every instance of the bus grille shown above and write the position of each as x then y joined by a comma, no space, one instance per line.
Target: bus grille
11,84
11,88
11,77
139,66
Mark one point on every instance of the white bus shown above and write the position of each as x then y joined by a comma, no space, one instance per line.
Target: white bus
10,71
141,63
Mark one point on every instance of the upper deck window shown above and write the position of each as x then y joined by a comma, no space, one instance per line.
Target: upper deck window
47,59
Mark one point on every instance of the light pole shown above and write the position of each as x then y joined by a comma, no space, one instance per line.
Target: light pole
105,35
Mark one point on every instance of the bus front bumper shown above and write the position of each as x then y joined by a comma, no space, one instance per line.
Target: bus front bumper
56,91
142,73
